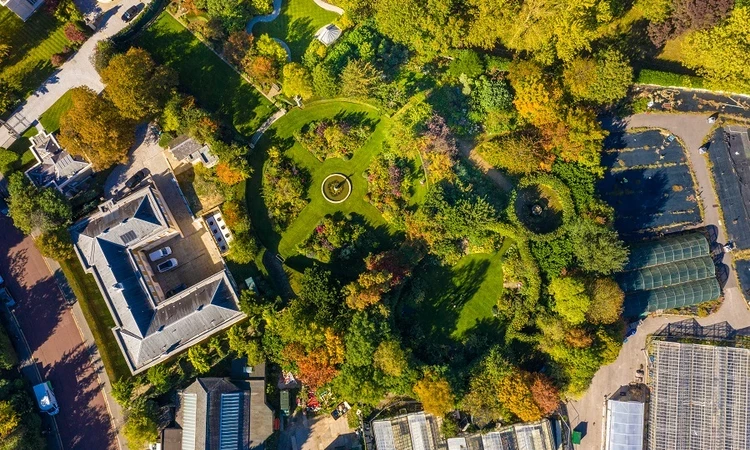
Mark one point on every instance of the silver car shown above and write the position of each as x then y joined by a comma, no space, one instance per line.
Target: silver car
167,265
159,254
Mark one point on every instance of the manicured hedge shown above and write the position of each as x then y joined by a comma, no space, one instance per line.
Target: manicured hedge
660,78
566,201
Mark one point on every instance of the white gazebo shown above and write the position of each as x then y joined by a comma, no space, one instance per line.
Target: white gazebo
328,34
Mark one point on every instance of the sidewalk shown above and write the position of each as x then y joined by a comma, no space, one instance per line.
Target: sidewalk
114,409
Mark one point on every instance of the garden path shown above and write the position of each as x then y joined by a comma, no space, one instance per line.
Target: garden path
266,18
467,149
329,7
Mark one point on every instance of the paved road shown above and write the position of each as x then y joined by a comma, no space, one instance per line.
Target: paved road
78,71
588,412
56,343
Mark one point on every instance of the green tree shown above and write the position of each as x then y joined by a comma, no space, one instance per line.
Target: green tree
572,301
158,377
320,295
518,154
56,245
33,208
267,46
122,391
243,248
359,79
9,419
8,357
93,128
297,81
598,248
713,53
137,86
8,160
603,79
105,51
199,358
553,256
140,424
428,27
325,83
606,301
391,358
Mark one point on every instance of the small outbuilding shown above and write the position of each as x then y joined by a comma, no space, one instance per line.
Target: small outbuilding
328,34
187,150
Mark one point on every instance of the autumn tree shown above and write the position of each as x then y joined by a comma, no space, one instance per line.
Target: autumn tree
571,298
33,208
359,79
544,393
385,271
602,79
137,86
56,245
297,81
713,53
262,69
606,301
435,393
74,34
228,175
514,392
9,419
391,358
237,46
93,128
518,154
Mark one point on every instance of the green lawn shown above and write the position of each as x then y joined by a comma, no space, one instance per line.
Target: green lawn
214,84
98,317
459,298
281,135
50,119
32,44
296,25
21,147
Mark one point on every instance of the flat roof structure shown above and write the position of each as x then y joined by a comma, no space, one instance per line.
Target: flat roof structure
625,425
152,323
700,389
413,431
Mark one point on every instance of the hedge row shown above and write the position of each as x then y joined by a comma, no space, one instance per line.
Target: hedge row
562,191
668,79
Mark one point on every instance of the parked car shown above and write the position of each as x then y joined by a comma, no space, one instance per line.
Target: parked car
45,398
5,296
136,179
130,14
712,118
167,265
159,254
176,290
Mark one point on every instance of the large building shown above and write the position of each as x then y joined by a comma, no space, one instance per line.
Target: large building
159,271
699,379
23,8
221,414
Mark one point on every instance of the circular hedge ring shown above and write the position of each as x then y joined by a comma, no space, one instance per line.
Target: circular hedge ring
541,205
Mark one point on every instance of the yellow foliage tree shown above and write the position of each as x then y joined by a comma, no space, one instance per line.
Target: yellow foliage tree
435,394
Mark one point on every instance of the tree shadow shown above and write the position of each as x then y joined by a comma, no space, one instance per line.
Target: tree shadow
83,420
298,34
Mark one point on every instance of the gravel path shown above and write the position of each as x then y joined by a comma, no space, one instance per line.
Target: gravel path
329,7
266,18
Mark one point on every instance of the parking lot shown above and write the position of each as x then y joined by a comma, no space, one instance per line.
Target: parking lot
648,183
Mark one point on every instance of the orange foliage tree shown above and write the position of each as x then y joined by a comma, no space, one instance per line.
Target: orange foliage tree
228,175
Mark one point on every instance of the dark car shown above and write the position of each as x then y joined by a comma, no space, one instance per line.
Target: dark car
130,14
136,179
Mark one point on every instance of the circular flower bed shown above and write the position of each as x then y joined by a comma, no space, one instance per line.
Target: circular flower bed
336,188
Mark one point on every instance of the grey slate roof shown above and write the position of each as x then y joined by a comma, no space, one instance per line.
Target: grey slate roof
185,148
55,167
146,331
209,415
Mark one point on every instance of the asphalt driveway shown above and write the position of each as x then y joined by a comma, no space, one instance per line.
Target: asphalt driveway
55,342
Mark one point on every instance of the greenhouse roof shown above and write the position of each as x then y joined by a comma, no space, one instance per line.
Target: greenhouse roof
625,423
667,250
677,296
667,274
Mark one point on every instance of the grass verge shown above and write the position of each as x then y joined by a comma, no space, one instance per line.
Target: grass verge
50,119
98,317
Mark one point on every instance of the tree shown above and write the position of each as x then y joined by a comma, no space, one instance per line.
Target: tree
243,248
553,256
603,79
325,82
74,34
122,391
33,208
544,393
93,128
359,79
199,359
228,175
9,419
435,394
518,154
105,51
606,301
391,358
4,52
571,298
158,376
320,294
8,160
712,53
56,245
515,394
137,86
267,46
140,425
262,69
297,81
8,356
427,27
597,248
237,46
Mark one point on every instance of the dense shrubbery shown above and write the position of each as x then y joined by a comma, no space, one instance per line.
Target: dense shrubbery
333,139
284,186
389,184
341,236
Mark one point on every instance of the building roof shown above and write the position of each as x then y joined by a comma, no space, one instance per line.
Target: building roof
700,393
328,34
171,439
148,329
55,167
23,8
625,423
666,250
186,149
218,414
